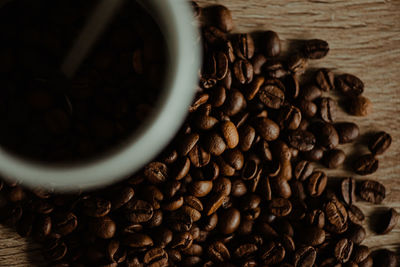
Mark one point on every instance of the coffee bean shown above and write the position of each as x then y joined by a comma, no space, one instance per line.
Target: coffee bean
103,227
343,250
356,216
297,63
334,158
387,221
356,233
137,240
359,106
298,191
114,252
138,211
360,253
316,183
384,257
267,129
380,143
326,134
289,118
253,88
173,204
325,79
244,46
348,132
64,223
301,140
274,69
201,188
270,43
349,85
336,215
327,109
272,253
156,257
96,207
316,48
41,228
312,236
372,191
234,103
302,170
280,207
55,251
218,252
156,172
245,250
316,218
365,164
348,188
214,144
220,16
305,257
308,108
231,221
311,93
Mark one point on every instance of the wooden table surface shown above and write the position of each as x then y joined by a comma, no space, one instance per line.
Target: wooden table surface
364,37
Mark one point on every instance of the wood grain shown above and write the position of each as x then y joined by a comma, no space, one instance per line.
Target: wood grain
364,37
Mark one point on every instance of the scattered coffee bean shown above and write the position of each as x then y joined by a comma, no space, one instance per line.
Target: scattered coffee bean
334,158
349,85
366,164
380,143
327,109
388,221
372,191
270,44
347,131
316,48
325,79
360,106
348,189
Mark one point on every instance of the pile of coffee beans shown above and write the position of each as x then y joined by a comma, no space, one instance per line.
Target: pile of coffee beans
240,184
47,117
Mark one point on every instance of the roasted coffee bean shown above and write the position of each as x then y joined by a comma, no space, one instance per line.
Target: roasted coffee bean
274,69
316,48
326,134
310,93
221,65
55,251
303,170
115,252
380,143
356,233
120,196
218,97
245,250
243,71
289,118
316,183
387,221
280,207
267,129
234,103
349,85
366,164
244,46
384,257
253,88
360,253
272,253
297,63
314,155
270,43
327,109
185,146
173,204
138,211
298,191
348,189
214,36
308,108
258,62
336,215
356,216
231,221
372,191
304,257
156,220
137,240
156,172
343,250
214,144
41,228
200,100
64,223
348,132
316,218
334,158
247,135
312,236
301,140
325,79
96,207
218,252
220,16
156,257
359,106
230,134
103,227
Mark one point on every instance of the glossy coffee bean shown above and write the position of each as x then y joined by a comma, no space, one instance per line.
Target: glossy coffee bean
380,143
347,131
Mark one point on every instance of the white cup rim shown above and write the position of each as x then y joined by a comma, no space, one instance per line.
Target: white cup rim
181,34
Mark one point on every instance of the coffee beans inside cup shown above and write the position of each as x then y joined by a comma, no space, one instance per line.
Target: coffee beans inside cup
240,184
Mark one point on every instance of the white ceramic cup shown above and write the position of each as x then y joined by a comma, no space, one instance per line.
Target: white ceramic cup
175,18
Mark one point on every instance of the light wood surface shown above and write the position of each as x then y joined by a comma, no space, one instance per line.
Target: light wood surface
364,37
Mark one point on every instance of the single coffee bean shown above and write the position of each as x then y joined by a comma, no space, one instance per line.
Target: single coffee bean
336,215
348,189
220,16
325,79
316,218
297,63
272,253
156,172
137,240
244,46
182,241
270,44
253,88
96,207
231,221
230,134
222,186
316,183
334,158
366,164
360,253
327,109
267,129
55,252
258,62
138,211
326,134
162,237
274,69
387,221
271,95
349,85
201,188
64,223
103,227
310,93
301,140
343,250
214,144
303,170
384,257
156,257
347,131
41,228
356,216
197,157
280,207
316,48
218,252
304,257
308,108
380,143
194,250
245,250
312,236
289,117
173,204
360,106
234,103
298,191
356,233
243,71
372,191
114,252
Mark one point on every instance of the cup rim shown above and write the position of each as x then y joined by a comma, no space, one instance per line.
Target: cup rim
181,35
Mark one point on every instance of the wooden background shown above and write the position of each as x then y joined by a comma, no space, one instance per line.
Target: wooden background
364,37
